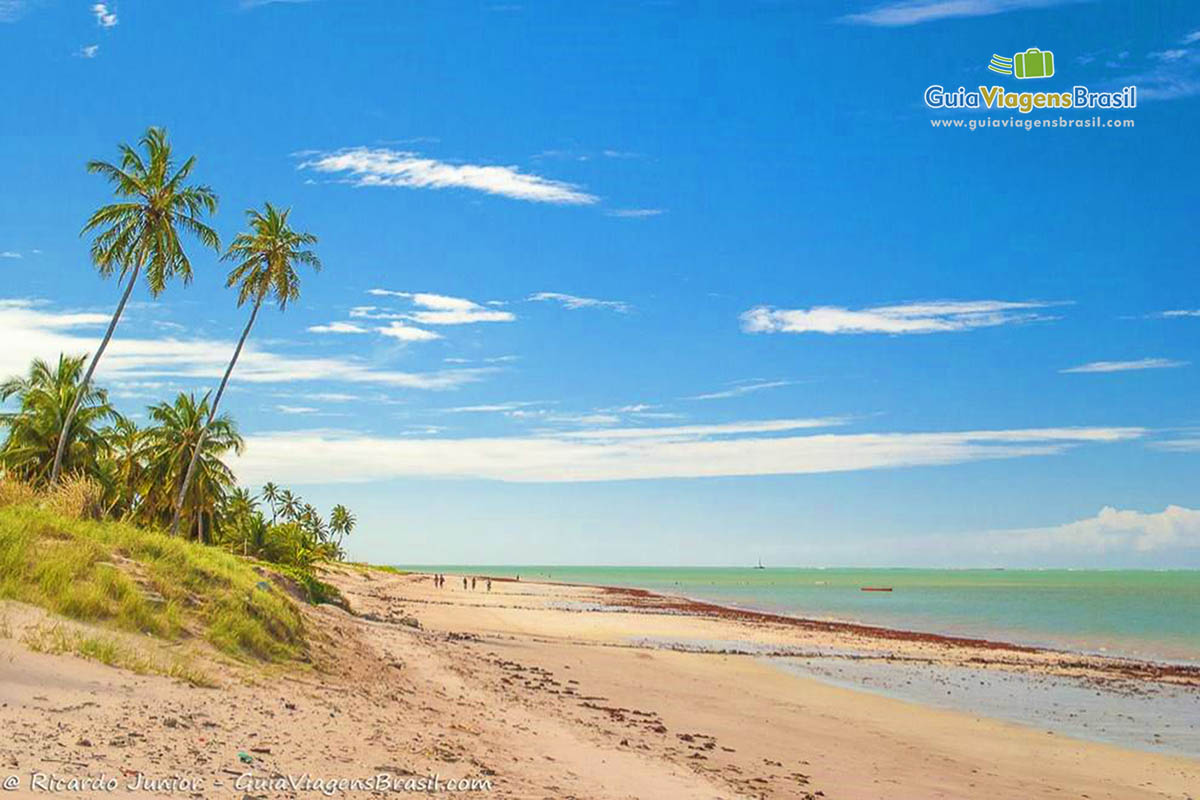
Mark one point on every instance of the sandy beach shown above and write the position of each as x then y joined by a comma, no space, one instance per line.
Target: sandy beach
553,691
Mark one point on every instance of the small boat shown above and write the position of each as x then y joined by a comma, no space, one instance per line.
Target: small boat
760,565
875,589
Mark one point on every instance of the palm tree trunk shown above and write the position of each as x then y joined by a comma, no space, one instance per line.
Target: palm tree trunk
212,414
87,379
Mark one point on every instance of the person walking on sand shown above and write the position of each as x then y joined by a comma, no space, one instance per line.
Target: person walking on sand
489,584
464,583
472,583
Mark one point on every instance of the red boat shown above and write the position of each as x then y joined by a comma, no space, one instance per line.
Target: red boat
875,589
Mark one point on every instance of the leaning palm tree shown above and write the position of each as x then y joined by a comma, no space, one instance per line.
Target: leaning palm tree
141,231
44,397
341,522
266,260
181,429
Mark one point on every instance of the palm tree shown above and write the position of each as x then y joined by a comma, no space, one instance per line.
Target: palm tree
141,231
127,454
265,267
44,397
181,428
289,505
341,522
270,493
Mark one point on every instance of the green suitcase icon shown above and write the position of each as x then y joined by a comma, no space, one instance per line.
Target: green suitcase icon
1033,63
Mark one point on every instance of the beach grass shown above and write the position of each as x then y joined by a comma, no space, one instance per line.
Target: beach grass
143,581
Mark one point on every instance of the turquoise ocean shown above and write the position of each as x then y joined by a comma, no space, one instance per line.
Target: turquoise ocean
1136,613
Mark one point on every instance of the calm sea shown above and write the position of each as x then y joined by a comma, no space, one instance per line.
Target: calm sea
1147,614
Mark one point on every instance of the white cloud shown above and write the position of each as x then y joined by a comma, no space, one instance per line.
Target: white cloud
433,309
1111,530
495,408
11,10
1179,312
574,302
33,331
296,409
383,167
741,389
88,51
636,213
1169,55
915,12
337,327
10,254
105,17
1126,366
938,316
303,457
407,333
1192,37
1174,73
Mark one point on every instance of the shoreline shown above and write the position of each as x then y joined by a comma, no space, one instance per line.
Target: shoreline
652,601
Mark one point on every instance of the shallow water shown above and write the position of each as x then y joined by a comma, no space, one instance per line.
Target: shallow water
1138,613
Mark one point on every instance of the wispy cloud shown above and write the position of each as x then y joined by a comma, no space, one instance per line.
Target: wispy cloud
745,387
1174,72
1127,366
34,330
105,16
337,327
434,309
11,10
88,51
684,432
292,410
382,167
636,213
938,316
10,254
915,12
575,302
1179,312
302,457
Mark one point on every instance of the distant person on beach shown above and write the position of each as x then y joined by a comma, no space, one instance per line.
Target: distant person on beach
464,582
489,584
472,583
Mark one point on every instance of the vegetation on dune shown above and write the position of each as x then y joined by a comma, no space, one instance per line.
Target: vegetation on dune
86,494
143,581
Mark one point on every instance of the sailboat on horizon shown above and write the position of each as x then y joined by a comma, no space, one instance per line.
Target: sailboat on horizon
760,564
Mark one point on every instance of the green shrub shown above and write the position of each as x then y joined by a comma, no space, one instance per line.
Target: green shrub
144,581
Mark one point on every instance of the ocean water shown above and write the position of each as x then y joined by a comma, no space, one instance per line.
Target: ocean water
1136,613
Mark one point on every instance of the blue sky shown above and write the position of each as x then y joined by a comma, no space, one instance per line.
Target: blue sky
653,283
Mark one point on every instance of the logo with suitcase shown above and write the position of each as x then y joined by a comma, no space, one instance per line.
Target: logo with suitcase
1033,63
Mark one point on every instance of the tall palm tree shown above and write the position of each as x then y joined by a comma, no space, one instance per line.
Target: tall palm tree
265,266
44,397
270,493
180,430
141,231
341,522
